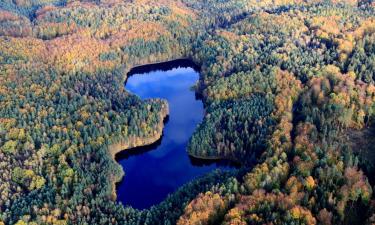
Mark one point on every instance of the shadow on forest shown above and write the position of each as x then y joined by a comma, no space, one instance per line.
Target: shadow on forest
163,66
219,162
362,142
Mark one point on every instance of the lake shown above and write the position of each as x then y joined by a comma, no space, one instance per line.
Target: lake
153,172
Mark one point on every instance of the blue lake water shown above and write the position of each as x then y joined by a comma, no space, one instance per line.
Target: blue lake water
153,172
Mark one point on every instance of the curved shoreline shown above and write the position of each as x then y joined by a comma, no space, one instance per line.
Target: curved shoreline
134,141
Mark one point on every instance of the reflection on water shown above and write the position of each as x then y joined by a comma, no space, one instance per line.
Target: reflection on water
154,171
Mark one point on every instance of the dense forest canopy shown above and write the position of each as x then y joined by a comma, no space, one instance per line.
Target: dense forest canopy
284,83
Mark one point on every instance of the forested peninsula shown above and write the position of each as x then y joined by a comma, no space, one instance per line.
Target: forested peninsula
288,90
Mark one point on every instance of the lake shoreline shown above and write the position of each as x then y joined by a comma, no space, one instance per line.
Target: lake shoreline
134,142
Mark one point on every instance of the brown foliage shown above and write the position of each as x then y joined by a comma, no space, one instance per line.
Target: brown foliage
204,209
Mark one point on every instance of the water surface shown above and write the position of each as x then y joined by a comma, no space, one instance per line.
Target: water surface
153,172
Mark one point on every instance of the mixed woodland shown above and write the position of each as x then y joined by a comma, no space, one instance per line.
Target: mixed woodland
285,84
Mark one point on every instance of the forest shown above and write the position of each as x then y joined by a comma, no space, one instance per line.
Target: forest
288,87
